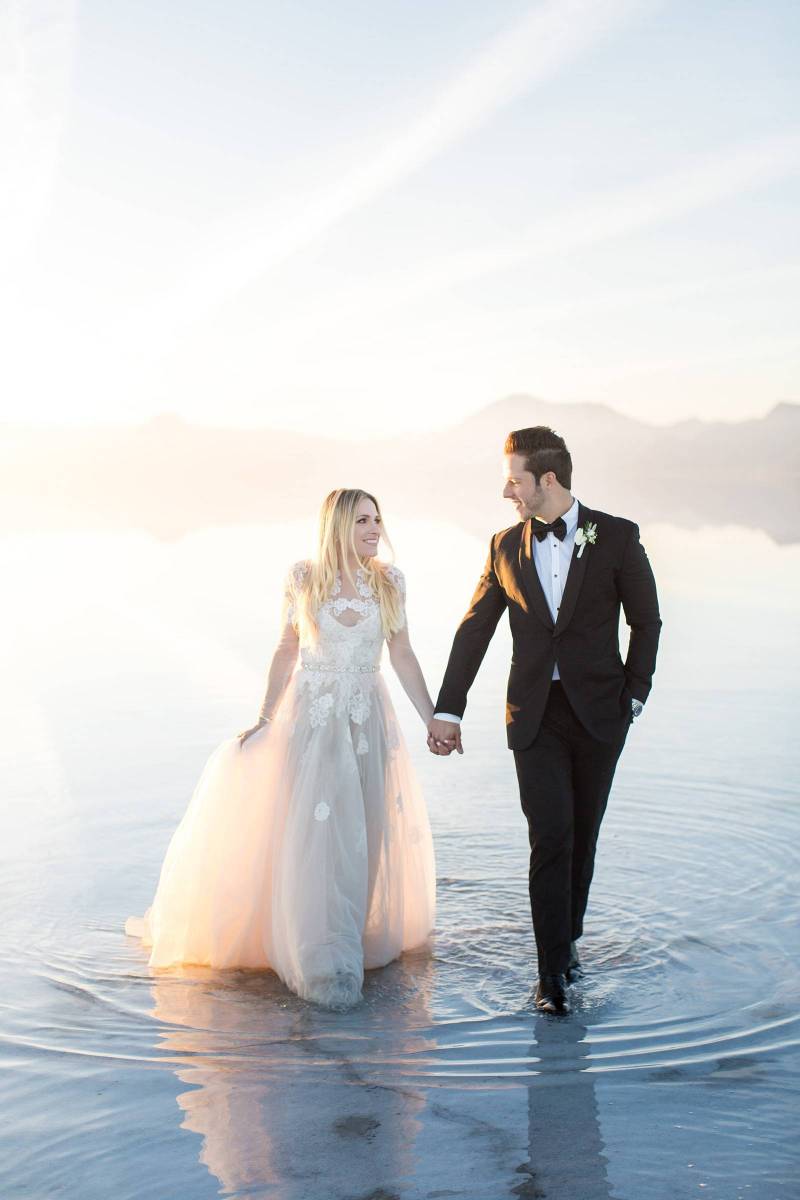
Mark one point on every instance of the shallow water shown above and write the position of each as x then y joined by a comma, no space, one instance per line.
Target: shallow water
128,660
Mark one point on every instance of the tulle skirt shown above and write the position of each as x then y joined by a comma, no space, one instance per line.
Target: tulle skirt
306,850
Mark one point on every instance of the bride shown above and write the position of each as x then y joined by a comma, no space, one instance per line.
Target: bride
306,846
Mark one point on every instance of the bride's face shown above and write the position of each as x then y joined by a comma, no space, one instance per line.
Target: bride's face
367,530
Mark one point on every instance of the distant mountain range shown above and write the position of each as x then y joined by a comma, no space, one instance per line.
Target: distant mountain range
169,477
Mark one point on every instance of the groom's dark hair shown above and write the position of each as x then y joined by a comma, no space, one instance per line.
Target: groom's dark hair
544,451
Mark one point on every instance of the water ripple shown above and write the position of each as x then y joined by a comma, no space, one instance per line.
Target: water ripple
689,963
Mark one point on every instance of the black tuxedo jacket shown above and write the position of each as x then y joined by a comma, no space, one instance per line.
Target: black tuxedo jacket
584,641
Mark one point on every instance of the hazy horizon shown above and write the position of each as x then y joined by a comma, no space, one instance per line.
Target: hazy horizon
169,476
168,417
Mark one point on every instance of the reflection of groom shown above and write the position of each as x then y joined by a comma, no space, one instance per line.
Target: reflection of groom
562,573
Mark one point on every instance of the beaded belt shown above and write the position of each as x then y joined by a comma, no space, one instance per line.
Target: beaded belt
338,670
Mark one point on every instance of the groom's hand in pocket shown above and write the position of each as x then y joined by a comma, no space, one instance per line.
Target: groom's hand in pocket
444,737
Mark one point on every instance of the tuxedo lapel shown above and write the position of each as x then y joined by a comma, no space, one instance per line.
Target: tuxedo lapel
577,570
530,576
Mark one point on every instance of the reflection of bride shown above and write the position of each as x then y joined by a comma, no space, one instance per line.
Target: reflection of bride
275,1102
306,846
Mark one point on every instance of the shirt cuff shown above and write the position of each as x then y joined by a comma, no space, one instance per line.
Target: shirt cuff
447,717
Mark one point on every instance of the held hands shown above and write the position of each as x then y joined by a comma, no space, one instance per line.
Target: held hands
444,737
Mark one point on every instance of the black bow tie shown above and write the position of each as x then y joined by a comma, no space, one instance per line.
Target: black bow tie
558,527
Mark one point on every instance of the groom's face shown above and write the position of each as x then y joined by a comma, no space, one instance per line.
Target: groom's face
521,487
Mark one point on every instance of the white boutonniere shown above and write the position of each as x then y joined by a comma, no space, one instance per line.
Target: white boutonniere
587,534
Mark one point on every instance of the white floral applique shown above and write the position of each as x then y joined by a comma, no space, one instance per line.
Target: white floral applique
299,572
396,576
322,811
319,709
365,603
362,745
339,667
293,587
358,706
398,579
363,585
360,606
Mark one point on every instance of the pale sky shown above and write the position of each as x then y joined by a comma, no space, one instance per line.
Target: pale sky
363,218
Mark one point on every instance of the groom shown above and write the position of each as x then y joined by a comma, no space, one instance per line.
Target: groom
562,573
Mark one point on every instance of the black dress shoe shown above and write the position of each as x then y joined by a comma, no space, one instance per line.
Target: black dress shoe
574,969
551,994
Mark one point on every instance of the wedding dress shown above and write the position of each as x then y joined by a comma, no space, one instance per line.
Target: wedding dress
306,848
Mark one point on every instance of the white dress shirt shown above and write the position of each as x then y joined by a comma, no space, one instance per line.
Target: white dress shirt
551,559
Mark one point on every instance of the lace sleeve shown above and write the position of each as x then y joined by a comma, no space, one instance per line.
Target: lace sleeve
396,576
291,590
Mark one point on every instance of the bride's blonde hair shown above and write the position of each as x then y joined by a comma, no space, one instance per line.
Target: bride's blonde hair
336,547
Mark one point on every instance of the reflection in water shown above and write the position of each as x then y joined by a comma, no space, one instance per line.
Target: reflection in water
565,1145
294,1101
278,1090
151,655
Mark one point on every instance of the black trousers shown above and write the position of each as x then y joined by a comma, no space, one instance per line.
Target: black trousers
565,777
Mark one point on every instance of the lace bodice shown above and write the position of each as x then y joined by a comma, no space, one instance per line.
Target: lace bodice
339,668
342,646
